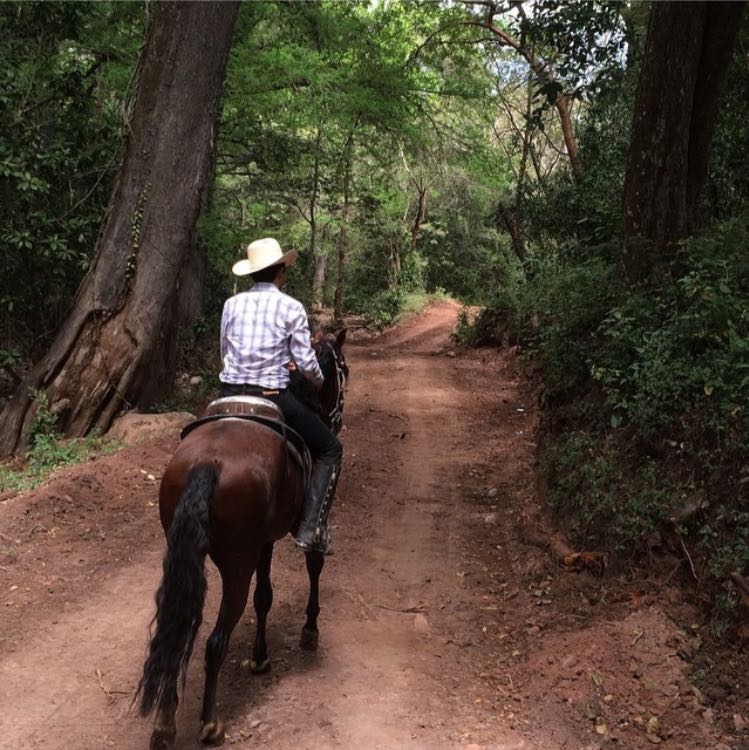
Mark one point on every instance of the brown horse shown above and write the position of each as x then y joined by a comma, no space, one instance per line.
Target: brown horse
230,491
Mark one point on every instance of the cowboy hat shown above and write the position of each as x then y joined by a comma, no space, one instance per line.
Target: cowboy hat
260,255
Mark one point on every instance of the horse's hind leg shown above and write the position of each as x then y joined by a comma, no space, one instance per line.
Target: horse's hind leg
310,635
233,601
263,599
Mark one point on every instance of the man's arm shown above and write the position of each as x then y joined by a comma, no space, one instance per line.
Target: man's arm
301,349
222,335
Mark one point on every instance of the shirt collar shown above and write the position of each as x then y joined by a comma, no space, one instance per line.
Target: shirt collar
264,286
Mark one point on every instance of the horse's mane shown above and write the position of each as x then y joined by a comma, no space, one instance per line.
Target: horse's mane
303,389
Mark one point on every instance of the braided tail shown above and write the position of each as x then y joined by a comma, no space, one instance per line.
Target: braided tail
180,597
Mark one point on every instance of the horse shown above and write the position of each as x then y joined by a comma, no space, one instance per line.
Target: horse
230,492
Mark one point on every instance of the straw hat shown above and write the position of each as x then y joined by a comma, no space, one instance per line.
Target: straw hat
260,255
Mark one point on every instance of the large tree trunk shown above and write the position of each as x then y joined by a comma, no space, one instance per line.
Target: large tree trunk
117,348
722,25
687,53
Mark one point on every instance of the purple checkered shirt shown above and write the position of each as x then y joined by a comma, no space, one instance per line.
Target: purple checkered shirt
261,332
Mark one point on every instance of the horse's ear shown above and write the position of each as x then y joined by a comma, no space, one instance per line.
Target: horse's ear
340,339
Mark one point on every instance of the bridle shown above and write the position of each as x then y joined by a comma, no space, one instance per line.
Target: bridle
335,416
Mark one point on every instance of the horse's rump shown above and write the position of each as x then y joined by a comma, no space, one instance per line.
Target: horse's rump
259,490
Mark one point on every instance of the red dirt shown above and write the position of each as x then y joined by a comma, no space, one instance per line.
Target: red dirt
439,627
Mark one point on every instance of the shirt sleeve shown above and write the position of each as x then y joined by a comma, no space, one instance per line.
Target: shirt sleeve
301,349
222,337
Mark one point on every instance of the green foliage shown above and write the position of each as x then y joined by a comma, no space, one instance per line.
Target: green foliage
49,453
607,506
44,424
63,80
647,393
683,349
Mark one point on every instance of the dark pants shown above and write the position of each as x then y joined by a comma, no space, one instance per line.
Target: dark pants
322,443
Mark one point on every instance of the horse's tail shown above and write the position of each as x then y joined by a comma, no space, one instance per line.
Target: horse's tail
180,597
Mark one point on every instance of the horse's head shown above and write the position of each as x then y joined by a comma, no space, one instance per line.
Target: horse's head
329,351
328,401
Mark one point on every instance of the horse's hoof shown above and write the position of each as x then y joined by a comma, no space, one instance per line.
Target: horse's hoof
309,640
260,667
212,733
162,739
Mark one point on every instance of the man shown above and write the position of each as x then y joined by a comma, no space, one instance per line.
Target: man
264,334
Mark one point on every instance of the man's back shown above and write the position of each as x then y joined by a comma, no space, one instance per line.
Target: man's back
261,331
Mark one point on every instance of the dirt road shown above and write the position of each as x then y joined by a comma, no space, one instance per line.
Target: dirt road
439,627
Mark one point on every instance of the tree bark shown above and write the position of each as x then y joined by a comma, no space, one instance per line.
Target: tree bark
117,347
343,237
509,218
687,53
722,25
394,265
319,257
421,214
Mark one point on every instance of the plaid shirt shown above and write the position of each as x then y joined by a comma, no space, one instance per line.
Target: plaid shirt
261,332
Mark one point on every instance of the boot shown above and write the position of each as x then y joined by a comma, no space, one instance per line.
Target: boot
311,533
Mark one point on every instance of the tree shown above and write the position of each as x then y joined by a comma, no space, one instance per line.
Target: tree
546,75
117,347
687,54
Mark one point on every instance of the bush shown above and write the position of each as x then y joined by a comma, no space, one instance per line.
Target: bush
646,395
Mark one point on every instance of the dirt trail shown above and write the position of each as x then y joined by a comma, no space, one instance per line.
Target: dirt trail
439,627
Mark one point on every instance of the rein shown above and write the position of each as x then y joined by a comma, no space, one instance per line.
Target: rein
335,417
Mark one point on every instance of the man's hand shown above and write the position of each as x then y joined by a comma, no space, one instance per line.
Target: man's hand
291,366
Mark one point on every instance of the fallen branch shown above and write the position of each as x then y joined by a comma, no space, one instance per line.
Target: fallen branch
561,552
689,557
111,694
417,609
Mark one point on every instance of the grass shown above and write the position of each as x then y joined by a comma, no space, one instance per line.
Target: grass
49,454
414,302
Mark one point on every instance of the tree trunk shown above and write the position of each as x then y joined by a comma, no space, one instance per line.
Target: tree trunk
394,266
722,25
421,214
343,239
319,258
117,348
687,53
563,107
509,218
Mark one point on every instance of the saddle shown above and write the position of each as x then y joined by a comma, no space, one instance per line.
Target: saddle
264,412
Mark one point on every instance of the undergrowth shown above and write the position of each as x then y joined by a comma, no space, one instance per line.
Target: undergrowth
48,452
646,401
